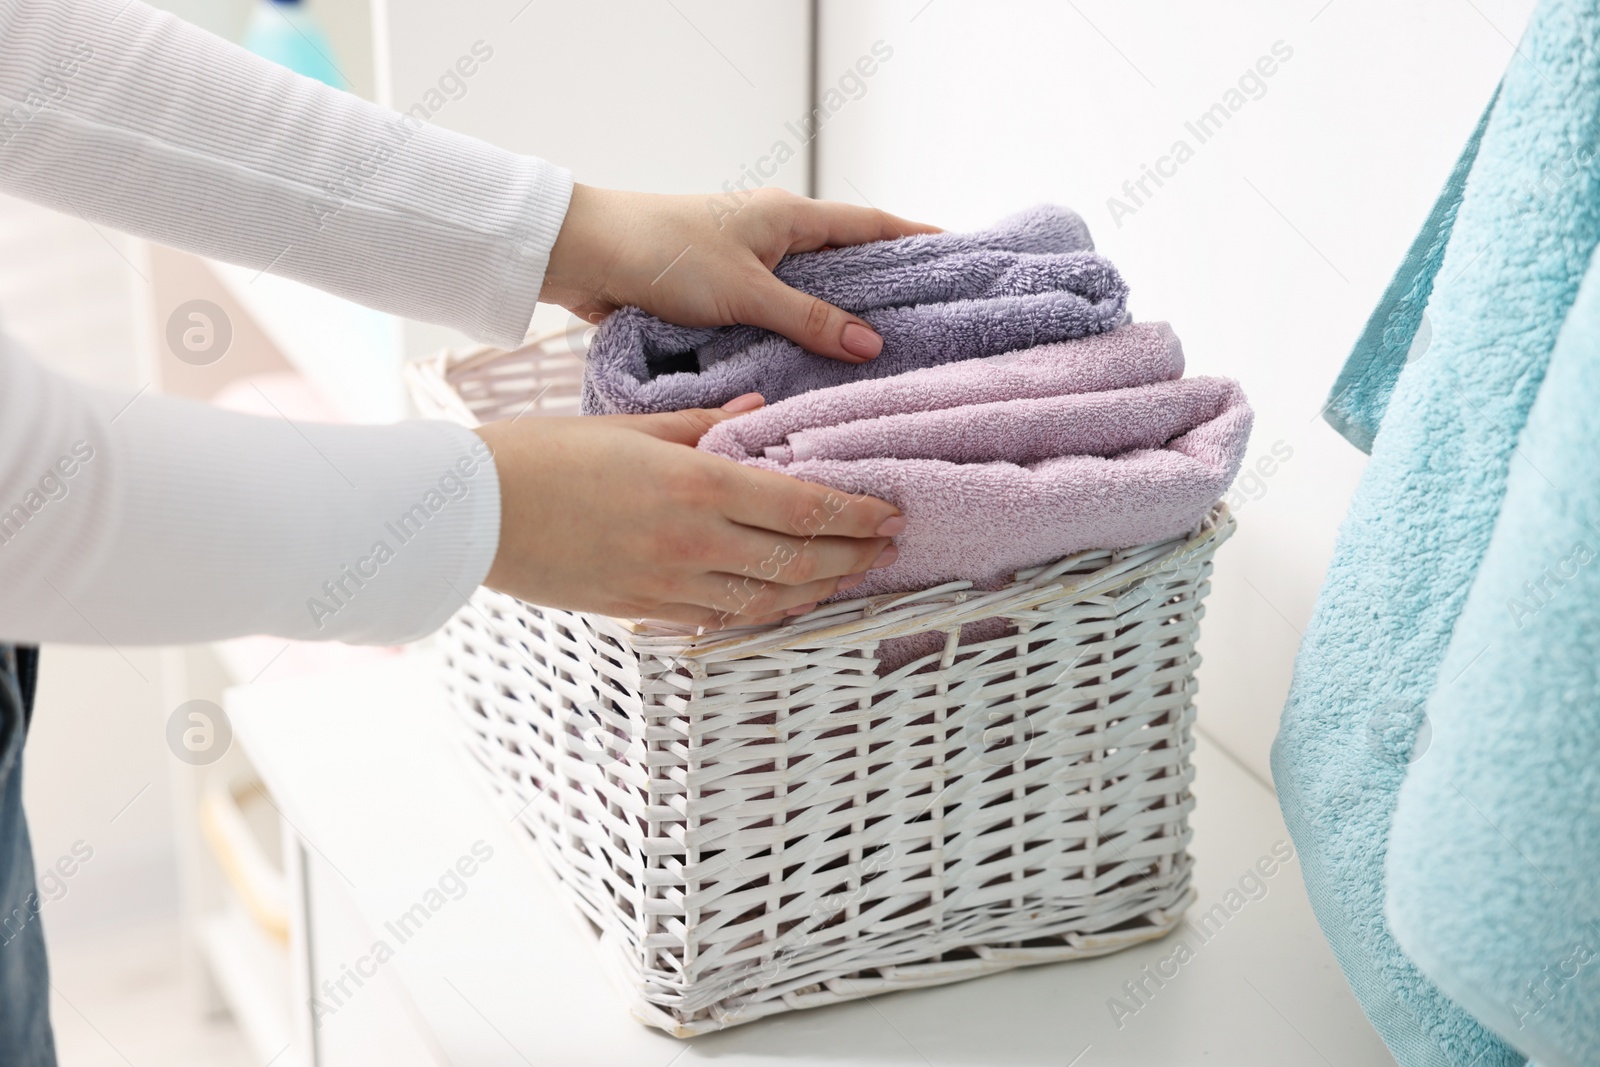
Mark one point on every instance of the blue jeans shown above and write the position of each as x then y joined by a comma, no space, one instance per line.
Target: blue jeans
25,1036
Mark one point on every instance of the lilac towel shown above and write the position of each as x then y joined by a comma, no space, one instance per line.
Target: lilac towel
935,298
1014,460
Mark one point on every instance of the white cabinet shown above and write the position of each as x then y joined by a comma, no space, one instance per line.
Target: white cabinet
495,968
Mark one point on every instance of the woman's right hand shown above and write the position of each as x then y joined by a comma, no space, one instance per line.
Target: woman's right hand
621,515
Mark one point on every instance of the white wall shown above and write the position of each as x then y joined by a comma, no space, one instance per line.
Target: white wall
666,97
1266,250
347,24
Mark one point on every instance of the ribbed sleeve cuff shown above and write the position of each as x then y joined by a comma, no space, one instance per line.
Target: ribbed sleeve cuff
456,556
547,195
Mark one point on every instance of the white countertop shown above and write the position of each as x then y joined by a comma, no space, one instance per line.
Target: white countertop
363,763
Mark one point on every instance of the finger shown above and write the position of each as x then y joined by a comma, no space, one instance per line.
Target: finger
804,561
748,595
828,222
739,600
688,426
741,594
813,324
771,501
746,600
593,310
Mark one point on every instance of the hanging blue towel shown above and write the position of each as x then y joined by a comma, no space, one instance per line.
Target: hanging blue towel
1422,517
1494,855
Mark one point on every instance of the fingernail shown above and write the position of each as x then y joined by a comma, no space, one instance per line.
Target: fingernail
893,526
801,609
747,402
886,557
859,340
850,581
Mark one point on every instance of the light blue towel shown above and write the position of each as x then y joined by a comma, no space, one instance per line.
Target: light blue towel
1494,857
1422,518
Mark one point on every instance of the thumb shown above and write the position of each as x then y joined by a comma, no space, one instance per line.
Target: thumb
686,427
813,324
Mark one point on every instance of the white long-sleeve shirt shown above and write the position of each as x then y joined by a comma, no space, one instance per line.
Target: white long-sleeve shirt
166,521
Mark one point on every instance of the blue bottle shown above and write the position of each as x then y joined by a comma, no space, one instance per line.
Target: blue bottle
284,32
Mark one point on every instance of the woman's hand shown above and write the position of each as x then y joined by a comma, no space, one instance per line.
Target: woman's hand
621,515
681,261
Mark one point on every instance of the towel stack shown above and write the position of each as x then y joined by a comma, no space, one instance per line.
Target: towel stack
1014,415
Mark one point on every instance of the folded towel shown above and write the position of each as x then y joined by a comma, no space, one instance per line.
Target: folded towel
1009,461
935,299
1421,520
1495,849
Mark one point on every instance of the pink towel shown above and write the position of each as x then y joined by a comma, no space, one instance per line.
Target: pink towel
1010,461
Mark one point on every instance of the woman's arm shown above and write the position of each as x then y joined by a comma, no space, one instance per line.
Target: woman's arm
170,522
167,521
164,521
137,120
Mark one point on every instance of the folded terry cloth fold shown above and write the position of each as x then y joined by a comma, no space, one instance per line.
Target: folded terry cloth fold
935,299
929,267
1010,461
1495,847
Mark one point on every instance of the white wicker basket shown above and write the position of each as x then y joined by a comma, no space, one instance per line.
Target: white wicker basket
760,820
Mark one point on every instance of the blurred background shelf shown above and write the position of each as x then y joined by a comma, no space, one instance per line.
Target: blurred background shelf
350,354
252,975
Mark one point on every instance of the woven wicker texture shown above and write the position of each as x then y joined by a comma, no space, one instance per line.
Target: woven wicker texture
758,820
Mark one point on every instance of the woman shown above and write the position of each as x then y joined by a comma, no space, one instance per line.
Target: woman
163,521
